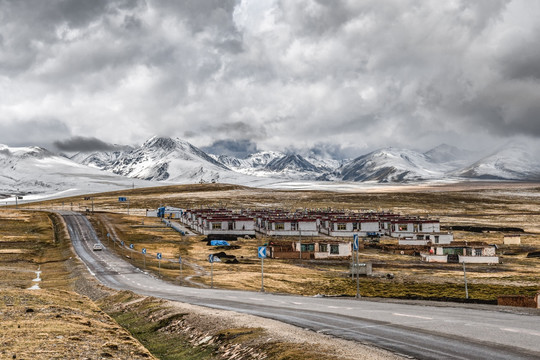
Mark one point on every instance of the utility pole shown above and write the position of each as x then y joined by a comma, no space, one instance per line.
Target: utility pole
300,239
465,277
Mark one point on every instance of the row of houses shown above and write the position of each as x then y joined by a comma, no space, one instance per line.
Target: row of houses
410,230
341,225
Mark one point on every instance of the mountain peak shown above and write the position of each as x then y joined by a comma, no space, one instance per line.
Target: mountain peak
165,143
291,162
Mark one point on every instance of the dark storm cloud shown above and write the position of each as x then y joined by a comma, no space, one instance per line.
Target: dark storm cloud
236,148
521,59
84,144
36,131
302,74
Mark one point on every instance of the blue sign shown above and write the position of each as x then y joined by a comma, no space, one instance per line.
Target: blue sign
144,251
159,256
131,246
122,242
262,252
179,259
122,199
210,258
355,242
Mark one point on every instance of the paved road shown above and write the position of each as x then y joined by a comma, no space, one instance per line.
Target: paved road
424,332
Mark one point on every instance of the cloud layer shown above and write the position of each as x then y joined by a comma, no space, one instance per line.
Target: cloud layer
278,74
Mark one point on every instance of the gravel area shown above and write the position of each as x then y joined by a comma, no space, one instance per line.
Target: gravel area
281,332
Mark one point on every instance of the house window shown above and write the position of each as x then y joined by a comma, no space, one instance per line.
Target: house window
334,249
420,227
323,247
477,252
355,226
419,237
294,226
436,239
216,226
402,227
342,226
280,226
308,247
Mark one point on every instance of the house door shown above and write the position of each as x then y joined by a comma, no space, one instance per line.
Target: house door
453,258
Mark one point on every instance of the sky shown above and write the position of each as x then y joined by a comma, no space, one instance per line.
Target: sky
336,77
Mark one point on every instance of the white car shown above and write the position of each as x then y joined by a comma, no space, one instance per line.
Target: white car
97,247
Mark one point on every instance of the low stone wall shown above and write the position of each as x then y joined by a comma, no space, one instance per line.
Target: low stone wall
517,300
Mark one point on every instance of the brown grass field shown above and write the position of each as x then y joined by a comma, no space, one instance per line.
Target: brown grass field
478,204
51,320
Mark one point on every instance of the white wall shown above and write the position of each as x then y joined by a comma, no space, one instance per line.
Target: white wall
369,226
479,259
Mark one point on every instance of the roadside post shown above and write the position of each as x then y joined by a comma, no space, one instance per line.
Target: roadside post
144,257
159,263
180,262
211,261
356,246
262,254
108,239
465,276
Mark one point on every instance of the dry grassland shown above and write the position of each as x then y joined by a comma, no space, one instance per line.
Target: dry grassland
483,205
56,324
50,321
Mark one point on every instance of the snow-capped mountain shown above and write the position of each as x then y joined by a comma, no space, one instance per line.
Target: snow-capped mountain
291,162
29,171
161,158
97,159
451,156
280,165
392,165
254,161
512,162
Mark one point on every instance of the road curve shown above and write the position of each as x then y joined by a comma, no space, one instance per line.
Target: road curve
423,332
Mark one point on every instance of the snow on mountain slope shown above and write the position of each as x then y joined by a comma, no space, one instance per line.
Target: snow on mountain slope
98,159
512,162
36,171
451,156
293,166
392,165
161,158
278,165
253,165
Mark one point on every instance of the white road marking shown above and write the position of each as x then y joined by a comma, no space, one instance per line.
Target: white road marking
521,331
413,316
296,303
333,307
256,299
